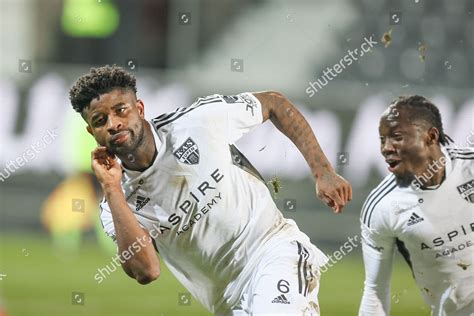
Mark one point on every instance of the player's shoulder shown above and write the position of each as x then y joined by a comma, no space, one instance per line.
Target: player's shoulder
202,109
176,115
462,161
462,155
377,203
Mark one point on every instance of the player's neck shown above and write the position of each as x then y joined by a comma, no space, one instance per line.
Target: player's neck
436,169
145,154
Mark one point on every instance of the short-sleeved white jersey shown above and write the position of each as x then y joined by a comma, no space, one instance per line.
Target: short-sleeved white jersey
434,231
207,209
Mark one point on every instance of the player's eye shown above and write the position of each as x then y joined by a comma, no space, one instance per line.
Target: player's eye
99,122
121,110
398,137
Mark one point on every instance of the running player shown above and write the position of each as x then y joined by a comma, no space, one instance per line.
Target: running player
424,208
181,180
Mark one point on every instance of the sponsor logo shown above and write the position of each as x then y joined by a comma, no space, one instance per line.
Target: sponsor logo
250,103
198,214
141,202
466,191
414,219
449,237
281,299
450,252
232,99
399,210
207,196
132,193
135,190
241,98
188,152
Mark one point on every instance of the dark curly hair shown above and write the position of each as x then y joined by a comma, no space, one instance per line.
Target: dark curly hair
423,109
98,81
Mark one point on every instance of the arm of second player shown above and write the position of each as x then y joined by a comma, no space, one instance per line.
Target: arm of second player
331,188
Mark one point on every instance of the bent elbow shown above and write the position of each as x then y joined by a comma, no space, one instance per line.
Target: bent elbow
275,93
278,95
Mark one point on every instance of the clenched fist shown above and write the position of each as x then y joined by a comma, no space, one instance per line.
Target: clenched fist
106,168
333,190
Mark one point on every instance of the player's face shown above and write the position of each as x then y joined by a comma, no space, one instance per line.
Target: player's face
404,144
115,119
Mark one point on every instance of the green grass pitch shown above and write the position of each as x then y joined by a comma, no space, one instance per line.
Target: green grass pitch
39,281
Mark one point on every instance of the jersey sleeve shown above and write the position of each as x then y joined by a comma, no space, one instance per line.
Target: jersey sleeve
244,113
378,245
229,116
107,220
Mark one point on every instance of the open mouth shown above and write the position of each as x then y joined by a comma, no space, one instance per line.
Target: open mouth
392,164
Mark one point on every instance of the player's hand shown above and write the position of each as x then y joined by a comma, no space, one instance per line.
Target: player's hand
106,168
333,190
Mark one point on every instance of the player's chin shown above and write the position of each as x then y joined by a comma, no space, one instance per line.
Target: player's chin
399,173
404,179
119,149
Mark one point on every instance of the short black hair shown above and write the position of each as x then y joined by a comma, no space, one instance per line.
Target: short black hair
98,81
423,109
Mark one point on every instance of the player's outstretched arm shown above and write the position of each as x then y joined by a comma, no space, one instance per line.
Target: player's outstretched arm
143,265
331,188
377,249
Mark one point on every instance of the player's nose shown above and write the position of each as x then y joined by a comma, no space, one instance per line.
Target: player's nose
387,147
114,124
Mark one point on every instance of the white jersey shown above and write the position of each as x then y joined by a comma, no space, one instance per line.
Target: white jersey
434,231
207,209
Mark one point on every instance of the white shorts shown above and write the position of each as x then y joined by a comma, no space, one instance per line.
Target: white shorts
284,282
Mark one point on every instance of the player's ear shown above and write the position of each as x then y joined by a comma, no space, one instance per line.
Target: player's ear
141,108
433,135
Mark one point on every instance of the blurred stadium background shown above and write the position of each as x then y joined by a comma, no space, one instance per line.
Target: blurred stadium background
51,244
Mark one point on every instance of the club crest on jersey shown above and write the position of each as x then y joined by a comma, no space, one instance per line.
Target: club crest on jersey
466,191
188,152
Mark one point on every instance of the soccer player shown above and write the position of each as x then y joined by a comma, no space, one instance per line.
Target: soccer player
424,208
177,184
